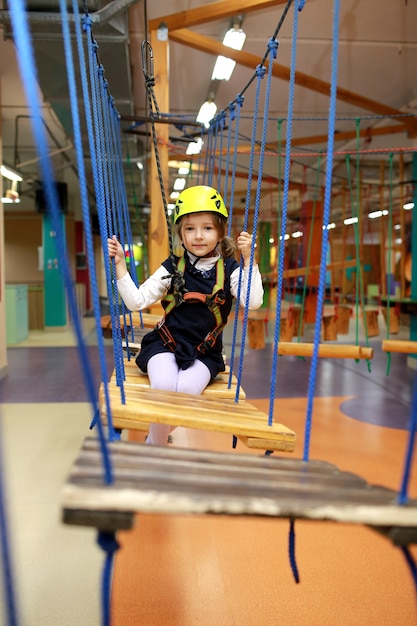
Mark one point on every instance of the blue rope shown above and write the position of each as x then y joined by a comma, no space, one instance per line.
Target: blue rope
291,551
29,78
96,76
411,564
412,429
97,187
260,73
86,217
9,592
272,47
107,541
326,219
281,254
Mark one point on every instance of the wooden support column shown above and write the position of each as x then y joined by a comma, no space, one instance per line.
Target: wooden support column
312,212
158,233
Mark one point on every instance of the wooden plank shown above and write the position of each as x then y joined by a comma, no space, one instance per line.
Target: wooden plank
219,387
399,345
190,411
325,350
151,479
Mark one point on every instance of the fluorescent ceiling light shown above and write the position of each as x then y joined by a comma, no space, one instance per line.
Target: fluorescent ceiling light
206,113
184,169
408,206
223,68
174,195
234,38
298,233
329,226
350,220
376,214
194,147
8,172
179,184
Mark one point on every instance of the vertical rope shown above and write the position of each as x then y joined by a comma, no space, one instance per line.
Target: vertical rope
281,254
326,218
272,47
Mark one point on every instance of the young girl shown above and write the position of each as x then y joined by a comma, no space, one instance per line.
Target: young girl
184,352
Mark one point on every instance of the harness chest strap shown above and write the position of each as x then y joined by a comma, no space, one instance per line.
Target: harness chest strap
213,301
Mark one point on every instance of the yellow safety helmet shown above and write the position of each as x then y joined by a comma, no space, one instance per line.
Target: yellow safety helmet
198,199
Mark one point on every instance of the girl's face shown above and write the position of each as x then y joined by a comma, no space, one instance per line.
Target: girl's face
199,233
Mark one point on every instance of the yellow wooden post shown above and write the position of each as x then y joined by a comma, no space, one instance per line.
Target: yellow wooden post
158,233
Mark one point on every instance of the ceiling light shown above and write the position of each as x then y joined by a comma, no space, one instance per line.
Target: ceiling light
174,195
184,169
298,233
329,226
194,147
206,113
234,38
179,184
350,220
223,68
11,195
408,206
376,214
8,172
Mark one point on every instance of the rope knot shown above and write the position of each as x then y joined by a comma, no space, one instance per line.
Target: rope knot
239,100
86,22
273,47
260,70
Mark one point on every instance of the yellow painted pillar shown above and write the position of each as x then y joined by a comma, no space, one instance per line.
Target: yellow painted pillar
158,233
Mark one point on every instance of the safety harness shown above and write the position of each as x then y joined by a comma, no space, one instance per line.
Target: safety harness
213,301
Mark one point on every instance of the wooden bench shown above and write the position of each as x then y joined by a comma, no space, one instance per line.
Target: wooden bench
152,479
144,406
139,322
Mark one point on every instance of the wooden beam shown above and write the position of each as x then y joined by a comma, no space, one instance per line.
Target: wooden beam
211,12
158,232
211,46
302,271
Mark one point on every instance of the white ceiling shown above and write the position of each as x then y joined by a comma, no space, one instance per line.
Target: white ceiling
377,70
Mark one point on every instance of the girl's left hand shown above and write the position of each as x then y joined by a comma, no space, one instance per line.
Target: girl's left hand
244,245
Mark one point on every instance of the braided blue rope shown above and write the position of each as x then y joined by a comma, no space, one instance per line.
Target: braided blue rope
232,116
87,222
107,542
285,195
220,125
291,551
273,48
260,73
98,189
29,75
96,77
412,429
9,591
326,218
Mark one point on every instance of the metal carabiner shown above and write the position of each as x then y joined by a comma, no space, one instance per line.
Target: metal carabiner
147,60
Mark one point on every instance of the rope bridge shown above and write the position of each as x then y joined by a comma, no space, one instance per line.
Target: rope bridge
111,480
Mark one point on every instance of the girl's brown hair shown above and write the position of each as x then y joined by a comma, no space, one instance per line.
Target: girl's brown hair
226,244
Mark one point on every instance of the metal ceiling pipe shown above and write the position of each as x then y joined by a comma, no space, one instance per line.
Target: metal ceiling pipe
102,16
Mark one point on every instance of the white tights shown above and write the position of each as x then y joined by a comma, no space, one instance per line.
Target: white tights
164,373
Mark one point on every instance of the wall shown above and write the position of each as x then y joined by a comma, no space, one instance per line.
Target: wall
3,349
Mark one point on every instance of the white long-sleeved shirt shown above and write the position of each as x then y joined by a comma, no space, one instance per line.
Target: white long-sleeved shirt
156,286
